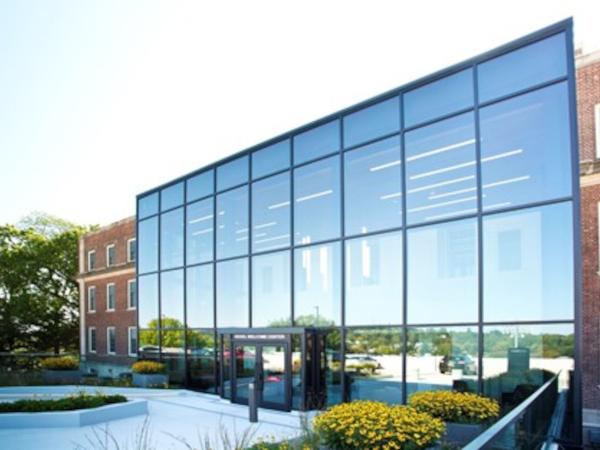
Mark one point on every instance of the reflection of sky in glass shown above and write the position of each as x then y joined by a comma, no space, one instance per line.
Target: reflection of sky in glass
525,146
148,205
373,183
440,170
232,293
442,273
232,173
171,297
232,223
317,285
317,201
271,290
271,159
528,265
374,280
200,185
199,296
271,213
316,142
171,239
171,196
148,245
147,299
374,121
200,231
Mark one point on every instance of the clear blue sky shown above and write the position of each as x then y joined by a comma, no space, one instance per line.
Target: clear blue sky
100,100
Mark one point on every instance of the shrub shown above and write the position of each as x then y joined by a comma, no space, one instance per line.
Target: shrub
451,406
77,401
148,367
60,363
369,424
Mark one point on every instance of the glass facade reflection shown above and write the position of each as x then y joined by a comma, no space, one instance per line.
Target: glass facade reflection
425,237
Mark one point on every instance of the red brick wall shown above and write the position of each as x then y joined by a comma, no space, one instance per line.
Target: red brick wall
588,95
121,318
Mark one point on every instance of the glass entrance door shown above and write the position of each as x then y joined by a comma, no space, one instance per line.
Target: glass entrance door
267,366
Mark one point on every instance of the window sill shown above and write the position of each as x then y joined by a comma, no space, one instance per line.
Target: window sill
110,310
131,308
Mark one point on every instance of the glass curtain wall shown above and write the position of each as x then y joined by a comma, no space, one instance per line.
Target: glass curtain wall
430,230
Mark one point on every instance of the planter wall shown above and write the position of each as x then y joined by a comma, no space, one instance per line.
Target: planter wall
77,418
150,379
462,433
62,376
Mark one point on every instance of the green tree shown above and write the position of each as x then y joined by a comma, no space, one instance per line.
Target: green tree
39,293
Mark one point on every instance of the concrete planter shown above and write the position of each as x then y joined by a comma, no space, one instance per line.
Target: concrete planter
150,379
77,418
462,433
62,376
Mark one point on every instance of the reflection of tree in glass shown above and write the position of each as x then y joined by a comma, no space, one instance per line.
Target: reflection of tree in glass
544,345
441,342
172,335
374,342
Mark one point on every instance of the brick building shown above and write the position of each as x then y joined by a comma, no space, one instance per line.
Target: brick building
588,105
108,298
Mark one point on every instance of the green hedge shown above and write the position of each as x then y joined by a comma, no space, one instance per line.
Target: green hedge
72,402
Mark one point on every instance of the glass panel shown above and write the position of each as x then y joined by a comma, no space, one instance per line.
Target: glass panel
441,358
171,196
173,354
225,372
441,177
171,299
245,370
518,359
297,388
317,279
534,64
271,159
376,120
515,134
148,301
232,223
317,142
201,360
199,300
232,293
374,280
148,205
331,367
200,185
200,231
171,239
148,245
439,98
373,183
442,273
148,343
232,173
271,302
317,201
528,264
274,379
271,213
374,364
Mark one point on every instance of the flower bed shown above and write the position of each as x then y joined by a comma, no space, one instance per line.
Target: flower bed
69,403
460,407
60,363
149,374
368,424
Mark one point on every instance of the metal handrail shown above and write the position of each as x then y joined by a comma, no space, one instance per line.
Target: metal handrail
495,430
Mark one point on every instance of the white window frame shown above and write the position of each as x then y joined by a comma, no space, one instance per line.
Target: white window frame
89,336
89,254
108,247
130,351
89,296
597,128
108,329
129,243
129,283
108,285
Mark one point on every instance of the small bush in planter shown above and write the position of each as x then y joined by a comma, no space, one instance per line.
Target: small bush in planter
368,424
60,363
459,407
148,367
80,400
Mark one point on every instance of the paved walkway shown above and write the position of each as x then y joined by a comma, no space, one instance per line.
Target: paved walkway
173,414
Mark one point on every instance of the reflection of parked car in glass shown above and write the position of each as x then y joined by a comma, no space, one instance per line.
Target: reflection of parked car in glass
462,362
356,360
149,349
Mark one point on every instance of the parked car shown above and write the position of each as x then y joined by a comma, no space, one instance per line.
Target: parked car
463,362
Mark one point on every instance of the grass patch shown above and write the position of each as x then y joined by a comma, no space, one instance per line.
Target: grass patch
72,402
